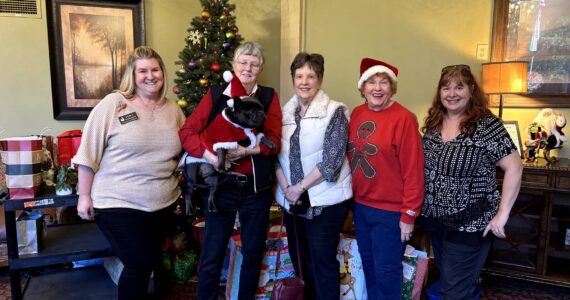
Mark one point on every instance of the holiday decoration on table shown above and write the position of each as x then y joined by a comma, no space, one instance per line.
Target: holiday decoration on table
545,133
212,38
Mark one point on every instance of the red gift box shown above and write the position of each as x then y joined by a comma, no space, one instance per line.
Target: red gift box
67,146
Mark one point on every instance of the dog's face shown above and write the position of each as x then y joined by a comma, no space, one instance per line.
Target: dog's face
246,112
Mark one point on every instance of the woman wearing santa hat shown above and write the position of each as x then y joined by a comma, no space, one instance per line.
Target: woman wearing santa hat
248,188
464,143
387,162
314,177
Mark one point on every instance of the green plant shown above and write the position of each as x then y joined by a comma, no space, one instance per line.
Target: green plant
66,178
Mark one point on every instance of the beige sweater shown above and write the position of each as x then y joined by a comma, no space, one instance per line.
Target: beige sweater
133,162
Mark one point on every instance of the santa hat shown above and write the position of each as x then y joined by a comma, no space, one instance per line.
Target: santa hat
370,67
237,88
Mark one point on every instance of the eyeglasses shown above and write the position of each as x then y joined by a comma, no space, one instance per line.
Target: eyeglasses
245,64
453,67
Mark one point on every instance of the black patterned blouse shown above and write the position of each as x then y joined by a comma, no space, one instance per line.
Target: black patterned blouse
460,175
334,151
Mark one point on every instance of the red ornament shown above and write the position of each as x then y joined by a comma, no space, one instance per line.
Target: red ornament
176,90
215,67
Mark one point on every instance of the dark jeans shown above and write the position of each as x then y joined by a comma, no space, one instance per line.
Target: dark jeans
232,196
136,238
381,250
318,240
459,256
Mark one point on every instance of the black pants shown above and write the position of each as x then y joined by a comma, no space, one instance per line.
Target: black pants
318,240
459,256
231,196
136,238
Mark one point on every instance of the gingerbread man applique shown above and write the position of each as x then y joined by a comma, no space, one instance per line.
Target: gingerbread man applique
362,148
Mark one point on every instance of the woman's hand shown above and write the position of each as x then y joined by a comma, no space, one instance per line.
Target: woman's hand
497,226
211,158
293,193
406,231
85,207
241,152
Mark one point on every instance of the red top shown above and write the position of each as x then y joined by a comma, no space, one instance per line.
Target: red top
196,123
386,155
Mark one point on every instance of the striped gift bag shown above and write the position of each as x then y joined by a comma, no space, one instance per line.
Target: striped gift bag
23,159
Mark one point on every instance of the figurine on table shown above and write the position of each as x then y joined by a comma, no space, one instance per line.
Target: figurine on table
545,133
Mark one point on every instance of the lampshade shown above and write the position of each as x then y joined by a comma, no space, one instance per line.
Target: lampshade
508,77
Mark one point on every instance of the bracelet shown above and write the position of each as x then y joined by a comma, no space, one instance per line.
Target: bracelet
302,186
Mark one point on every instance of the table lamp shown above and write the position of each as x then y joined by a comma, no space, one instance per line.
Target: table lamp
506,77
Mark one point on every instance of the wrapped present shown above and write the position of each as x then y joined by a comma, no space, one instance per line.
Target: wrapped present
352,281
67,145
415,264
275,241
22,157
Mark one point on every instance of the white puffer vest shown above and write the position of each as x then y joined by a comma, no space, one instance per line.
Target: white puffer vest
311,136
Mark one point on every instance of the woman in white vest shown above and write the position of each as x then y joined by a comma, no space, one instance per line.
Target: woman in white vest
314,177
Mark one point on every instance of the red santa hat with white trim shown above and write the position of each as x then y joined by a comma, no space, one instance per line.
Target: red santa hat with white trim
369,67
237,88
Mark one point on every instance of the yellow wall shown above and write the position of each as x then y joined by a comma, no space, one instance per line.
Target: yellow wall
25,86
417,36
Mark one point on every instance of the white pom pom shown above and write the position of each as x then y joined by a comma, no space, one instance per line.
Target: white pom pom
230,102
228,76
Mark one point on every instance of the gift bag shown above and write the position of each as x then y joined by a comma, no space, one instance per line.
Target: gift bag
48,161
67,146
267,273
30,231
415,264
23,158
352,281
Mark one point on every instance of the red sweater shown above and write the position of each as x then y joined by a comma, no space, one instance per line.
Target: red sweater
386,155
197,121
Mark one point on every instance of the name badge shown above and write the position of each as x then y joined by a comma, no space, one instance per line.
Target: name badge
128,118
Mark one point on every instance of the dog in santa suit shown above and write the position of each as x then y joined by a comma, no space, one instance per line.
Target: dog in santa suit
234,126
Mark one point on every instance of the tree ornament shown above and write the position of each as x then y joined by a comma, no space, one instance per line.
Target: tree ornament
230,35
181,71
226,45
222,17
191,64
182,102
195,36
215,67
176,89
205,14
204,82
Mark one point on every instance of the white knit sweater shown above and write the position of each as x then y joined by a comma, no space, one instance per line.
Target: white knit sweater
133,162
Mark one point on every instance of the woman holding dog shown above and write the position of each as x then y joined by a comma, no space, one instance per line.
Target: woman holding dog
386,158
464,143
248,188
314,177
129,150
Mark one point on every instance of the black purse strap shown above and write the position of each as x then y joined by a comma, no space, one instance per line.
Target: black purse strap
278,261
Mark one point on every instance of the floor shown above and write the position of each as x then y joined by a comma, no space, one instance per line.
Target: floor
495,288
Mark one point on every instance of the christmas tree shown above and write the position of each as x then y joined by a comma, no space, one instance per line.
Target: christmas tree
210,44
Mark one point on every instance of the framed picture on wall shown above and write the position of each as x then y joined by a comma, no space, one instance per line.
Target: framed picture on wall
537,31
89,43
514,131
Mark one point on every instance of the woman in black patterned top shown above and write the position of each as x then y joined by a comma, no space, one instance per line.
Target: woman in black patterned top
463,144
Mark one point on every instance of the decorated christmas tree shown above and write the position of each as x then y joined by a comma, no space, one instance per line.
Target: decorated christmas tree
210,44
